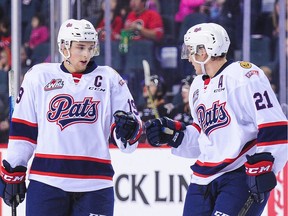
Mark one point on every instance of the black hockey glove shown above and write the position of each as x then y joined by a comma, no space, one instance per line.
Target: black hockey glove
164,131
12,183
126,126
260,177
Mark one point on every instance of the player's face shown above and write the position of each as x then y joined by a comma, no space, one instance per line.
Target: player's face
81,53
200,56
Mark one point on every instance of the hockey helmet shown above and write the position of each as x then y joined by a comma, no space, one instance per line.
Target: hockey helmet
77,30
211,36
186,82
160,84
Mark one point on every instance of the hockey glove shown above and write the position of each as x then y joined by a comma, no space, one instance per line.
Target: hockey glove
260,177
164,131
126,126
12,183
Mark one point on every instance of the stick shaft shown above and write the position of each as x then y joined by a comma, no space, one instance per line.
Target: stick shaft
11,109
246,206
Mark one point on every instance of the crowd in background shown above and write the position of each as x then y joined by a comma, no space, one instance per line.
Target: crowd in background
161,24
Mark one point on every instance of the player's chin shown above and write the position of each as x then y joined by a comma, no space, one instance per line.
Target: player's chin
82,66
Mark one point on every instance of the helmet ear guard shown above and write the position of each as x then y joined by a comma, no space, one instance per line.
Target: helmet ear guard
77,30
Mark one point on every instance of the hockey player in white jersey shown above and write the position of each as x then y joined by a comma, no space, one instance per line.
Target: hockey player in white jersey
64,116
239,133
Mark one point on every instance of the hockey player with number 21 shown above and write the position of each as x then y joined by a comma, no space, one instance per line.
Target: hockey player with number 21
64,114
239,133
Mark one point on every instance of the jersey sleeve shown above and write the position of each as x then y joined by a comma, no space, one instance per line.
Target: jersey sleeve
255,101
123,100
190,147
23,128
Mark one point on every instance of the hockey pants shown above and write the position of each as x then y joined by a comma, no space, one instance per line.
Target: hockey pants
46,200
224,196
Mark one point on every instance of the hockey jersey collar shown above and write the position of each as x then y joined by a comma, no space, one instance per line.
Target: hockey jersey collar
90,67
223,67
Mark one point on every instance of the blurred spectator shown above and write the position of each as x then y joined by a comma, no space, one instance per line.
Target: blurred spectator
153,5
143,23
268,24
123,7
5,59
4,68
154,105
25,61
4,123
5,33
29,9
116,22
89,8
39,34
181,112
230,17
269,74
187,7
157,90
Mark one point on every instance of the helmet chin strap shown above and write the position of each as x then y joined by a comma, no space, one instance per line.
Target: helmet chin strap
202,64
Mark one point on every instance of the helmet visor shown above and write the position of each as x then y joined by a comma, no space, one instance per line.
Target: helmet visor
186,51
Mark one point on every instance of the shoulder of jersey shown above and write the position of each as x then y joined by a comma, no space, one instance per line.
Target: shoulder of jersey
243,71
197,80
107,70
111,73
39,69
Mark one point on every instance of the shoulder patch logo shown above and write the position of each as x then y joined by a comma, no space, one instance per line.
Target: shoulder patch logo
251,73
245,65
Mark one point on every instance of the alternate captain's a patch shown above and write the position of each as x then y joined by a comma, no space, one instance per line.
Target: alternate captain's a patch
245,65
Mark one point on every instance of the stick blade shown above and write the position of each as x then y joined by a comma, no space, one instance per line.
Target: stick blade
11,92
146,68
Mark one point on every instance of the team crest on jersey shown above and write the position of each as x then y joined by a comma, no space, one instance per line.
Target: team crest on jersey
245,65
65,111
213,118
54,84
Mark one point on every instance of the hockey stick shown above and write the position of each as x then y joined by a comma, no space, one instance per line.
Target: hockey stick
11,109
11,93
146,68
246,206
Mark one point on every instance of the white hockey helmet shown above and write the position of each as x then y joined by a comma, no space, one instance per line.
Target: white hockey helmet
211,36
76,30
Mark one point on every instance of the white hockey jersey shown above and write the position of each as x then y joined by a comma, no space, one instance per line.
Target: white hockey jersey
237,113
67,125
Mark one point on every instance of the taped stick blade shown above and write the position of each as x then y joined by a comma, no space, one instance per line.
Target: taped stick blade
146,68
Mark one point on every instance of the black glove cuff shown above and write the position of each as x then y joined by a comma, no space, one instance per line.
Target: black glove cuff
266,182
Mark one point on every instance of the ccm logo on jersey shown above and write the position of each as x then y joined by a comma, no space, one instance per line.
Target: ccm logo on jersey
54,84
97,84
258,168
